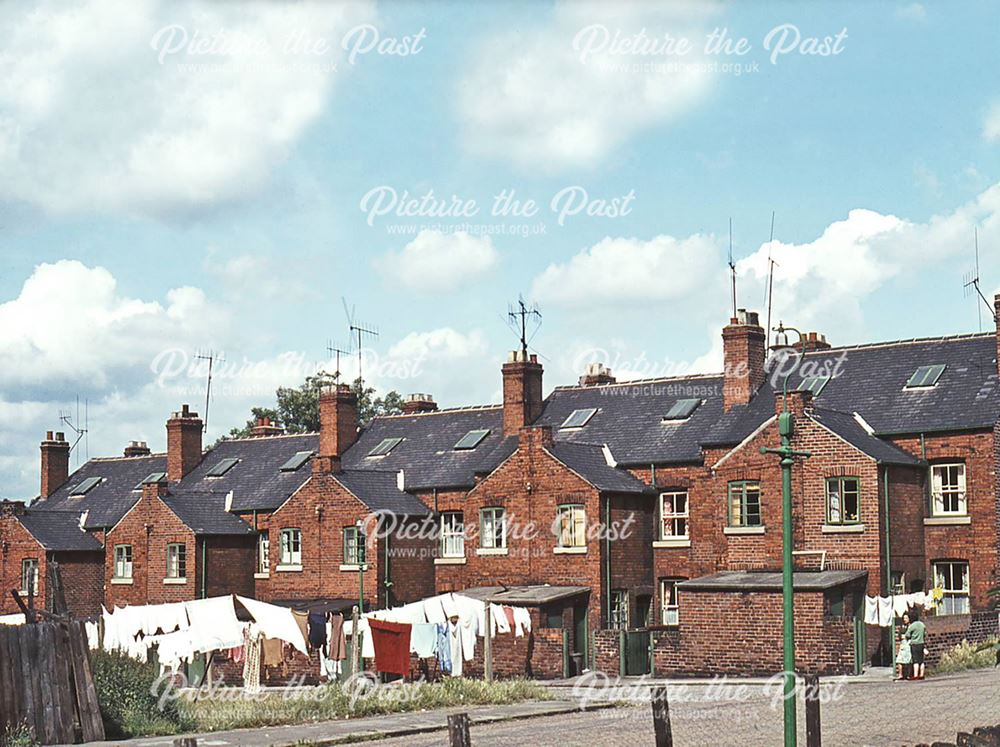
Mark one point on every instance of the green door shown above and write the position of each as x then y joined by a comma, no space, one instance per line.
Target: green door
580,634
637,652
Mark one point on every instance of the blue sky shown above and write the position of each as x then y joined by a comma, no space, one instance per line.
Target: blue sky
149,206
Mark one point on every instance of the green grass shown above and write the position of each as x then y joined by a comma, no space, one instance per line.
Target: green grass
17,735
967,656
333,702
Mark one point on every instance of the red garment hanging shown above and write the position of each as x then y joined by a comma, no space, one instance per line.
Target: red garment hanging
392,646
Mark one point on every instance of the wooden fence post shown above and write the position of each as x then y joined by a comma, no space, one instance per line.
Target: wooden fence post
661,718
814,736
356,659
458,730
488,644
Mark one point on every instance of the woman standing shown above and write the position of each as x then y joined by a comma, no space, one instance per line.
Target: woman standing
904,660
915,635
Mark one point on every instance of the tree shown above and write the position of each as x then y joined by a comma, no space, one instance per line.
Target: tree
297,409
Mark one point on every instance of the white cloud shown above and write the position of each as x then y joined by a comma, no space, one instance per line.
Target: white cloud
991,127
91,119
912,12
436,261
528,96
630,271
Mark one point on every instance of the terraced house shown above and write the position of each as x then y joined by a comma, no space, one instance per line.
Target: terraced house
654,518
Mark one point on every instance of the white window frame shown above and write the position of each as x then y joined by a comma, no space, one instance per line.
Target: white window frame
264,554
618,609
353,539
173,560
670,516
123,561
291,547
27,586
452,534
572,524
492,518
669,611
955,491
955,601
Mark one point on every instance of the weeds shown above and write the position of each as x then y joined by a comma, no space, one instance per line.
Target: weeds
967,656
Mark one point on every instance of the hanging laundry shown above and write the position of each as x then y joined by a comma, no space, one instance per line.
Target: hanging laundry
273,652
509,614
317,629
455,645
213,624
252,659
302,620
433,610
423,640
522,621
276,622
871,611
500,622
392,646
468,630
443,647
336,641
885,614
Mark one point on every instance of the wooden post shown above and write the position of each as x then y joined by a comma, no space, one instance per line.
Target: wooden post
661,718
458,730
488,644
356,635
814,737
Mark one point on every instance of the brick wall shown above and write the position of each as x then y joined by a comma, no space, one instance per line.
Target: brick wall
230,565
83,581
16,545
947,631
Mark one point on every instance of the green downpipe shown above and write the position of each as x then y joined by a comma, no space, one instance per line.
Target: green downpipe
204,568
888,560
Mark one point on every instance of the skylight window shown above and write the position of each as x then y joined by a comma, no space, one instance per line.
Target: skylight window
151,477
297,460
87,485
471,439
222,467
579,418
925,376
813,384
385,446
682,409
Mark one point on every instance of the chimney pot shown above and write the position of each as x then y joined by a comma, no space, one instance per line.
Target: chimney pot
597,373
417,403
48,435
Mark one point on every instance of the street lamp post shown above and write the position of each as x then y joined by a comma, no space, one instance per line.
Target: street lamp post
787,454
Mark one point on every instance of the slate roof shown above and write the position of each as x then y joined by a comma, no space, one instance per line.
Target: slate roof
113,498
848,428
205,513
629,418
427,453
588,461
872,378
58,531
256,481
379,491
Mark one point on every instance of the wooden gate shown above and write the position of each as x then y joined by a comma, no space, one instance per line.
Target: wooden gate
46,682
637,652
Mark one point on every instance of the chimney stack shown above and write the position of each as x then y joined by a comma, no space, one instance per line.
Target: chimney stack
596,374
816,341
55,463
184,431
338,426
264,428
137,449
522,392
418,403
743,341
996,314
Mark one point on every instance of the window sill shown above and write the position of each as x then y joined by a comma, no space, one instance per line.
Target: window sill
352,567
569,550
676,542
174,581
449,561
121,582
947,521
491,551
742,530
843,528
289,568
261,576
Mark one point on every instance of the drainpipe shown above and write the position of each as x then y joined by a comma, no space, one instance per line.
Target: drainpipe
386,572
607,558
204,568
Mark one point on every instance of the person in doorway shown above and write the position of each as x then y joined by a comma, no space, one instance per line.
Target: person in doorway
915,635
904,659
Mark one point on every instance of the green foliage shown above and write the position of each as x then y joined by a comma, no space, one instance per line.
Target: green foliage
297,408
127,694
966,656
17,735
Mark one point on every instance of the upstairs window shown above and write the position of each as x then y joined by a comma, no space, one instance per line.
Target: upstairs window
572,524
674,515
493,528
452,535
948,490
177,560
953,577
291,547
123,561
813,384
471,439
682,409
579,418
87,485
263,553
843,500
222,467
296,461
925,376
744,504
385,446
354,546
29,576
